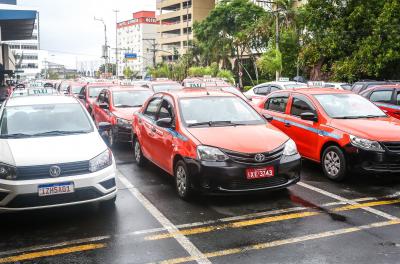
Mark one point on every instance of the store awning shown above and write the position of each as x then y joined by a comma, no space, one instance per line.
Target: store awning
17,24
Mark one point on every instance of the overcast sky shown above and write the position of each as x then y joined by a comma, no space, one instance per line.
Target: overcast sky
68,29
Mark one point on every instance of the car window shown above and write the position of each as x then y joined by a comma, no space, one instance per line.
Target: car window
152,108
106,98
262,90
101,98
382,96
300,106
166,110
277,104
357,88
274,89
83,91
398,98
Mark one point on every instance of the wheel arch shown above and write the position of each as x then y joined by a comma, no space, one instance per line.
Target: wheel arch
326,145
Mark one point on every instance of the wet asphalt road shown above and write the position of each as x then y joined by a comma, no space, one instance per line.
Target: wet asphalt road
316,221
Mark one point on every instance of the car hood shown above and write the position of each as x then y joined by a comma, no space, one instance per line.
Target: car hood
51,150
245,139
126,113
379,129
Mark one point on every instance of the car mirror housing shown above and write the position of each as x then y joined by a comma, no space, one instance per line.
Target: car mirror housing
104,106
268,117
82,96
165,122
309,117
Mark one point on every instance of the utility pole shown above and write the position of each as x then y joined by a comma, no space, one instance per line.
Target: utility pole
116,42
105,55
153,49
187,38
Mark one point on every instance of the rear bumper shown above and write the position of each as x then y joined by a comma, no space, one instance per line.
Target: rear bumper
23,195
230,177
375,162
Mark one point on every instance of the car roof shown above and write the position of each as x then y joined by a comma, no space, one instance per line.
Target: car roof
41,100
314,91
100,84
197,92
128,88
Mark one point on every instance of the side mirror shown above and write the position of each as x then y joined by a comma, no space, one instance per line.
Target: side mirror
309,117
82,96
268,118
164,122
104,106
104,126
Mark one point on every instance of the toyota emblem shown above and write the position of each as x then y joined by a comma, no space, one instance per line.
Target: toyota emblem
259,157
55,171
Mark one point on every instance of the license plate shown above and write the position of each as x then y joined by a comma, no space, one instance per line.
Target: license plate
54,189
260,173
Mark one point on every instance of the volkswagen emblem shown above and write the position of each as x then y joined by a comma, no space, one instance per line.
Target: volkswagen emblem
259,157
55,171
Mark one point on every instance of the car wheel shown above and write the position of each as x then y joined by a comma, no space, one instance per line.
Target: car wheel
108,204
183,181
137,150
334,163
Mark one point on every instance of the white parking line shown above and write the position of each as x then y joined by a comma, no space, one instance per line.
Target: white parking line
168,225
351,202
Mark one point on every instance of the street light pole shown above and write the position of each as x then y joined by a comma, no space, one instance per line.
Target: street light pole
116,42
105,44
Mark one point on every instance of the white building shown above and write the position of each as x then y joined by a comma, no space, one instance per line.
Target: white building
136,39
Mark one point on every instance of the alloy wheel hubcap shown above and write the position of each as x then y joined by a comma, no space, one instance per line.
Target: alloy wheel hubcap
332,163
137,151
181,180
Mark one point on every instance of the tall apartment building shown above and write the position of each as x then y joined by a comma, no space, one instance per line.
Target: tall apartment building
136,38
175,20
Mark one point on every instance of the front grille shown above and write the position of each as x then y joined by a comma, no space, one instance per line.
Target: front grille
33,200
392,146
108,184
254,184
249,159
43,171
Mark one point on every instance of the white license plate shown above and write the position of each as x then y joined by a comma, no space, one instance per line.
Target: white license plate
57,188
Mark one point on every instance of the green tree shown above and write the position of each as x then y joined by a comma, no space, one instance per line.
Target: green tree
111,68
128,73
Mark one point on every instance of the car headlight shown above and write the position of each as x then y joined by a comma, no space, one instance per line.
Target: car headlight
101,161
7,172
366,144
290,148
123,122
206,153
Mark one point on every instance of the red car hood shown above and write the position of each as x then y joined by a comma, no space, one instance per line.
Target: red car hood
379,129
245,139
126,113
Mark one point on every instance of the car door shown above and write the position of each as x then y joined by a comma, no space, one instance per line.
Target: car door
147,128
104,115
397,100
275,106
163,137
303,132
384,99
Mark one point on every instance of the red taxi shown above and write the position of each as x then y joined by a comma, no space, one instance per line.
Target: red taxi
90,92
386,97
74,88
116,106
337,128
213,142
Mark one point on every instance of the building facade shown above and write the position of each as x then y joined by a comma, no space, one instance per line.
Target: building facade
136,43
175,18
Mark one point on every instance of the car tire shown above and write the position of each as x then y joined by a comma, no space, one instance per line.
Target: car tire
334,163
138,154
183,181
108,204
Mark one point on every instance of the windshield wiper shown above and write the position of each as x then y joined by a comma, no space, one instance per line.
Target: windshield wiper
216,123
60,132
16,135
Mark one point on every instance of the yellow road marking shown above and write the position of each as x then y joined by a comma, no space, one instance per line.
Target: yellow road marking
282,242
53,252
264,220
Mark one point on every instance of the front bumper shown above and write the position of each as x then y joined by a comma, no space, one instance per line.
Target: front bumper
93,187
370,161
230,177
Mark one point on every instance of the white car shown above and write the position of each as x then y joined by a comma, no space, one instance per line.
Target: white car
51,154
260,91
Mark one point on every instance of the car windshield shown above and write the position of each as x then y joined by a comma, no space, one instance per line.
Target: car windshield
348,106
40,120
130,98
294,86
218,111
76,89
95,91
166,87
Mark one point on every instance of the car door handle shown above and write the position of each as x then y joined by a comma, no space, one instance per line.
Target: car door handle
140,121
153,129
287,124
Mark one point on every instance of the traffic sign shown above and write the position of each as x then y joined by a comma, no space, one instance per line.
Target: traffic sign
130,56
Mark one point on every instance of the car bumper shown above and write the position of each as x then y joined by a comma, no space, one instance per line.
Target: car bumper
123,133
88,188
370,161
230,177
